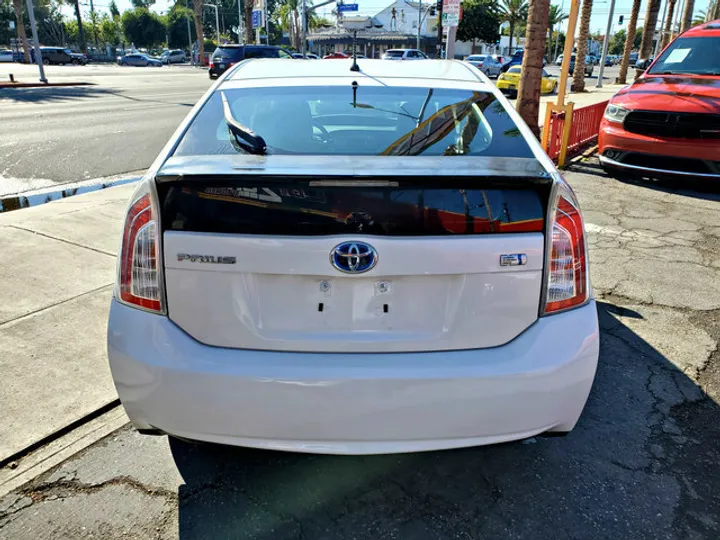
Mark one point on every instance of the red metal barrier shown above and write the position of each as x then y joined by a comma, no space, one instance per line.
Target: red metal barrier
583,130
585,126
557,124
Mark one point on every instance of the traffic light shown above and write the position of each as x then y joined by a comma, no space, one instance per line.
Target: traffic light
622,18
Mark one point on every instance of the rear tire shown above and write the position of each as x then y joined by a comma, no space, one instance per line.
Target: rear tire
46,61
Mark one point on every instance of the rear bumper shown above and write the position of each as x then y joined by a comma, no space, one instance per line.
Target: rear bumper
353,403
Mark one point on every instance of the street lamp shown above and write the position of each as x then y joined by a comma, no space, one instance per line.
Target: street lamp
217,20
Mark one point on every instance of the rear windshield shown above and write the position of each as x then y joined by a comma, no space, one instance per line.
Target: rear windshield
690,55
229,53
366,121
394,54
516,69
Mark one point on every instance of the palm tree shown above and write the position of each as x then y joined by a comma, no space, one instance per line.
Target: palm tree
20,25
528,104
578,84
629,41
198,11
513,12
289,15
555,17
247,10
686,16
651,17
667,31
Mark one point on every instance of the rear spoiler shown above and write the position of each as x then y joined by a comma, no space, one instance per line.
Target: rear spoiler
243,167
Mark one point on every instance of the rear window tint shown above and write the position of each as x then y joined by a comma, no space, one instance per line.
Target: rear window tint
261,53
230,53
394,54
372,121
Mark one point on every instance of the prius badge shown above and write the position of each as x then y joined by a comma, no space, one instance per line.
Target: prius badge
212,259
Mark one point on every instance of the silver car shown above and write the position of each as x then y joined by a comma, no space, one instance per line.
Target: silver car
353,262
139,59
404,54
490,65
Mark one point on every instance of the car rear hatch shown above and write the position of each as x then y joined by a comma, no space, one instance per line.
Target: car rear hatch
250,262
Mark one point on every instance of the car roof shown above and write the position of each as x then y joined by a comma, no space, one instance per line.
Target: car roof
708,29
421,69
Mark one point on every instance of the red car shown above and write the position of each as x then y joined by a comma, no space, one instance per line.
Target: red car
667,123
336,55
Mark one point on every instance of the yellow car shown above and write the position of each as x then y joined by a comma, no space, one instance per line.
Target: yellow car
508,82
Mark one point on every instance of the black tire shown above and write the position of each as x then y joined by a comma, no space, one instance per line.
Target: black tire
76,62
123,64
46,61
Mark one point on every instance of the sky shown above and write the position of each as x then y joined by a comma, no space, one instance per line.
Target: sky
598,23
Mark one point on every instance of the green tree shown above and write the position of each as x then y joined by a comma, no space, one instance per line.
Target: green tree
114,11
480,22
143,28
617,42
109,30
513,12
177,27
142,3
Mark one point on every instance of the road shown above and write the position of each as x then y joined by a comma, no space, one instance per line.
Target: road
642,463
68,134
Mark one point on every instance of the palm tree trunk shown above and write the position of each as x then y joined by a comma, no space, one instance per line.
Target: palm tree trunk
629,41
512,34
81,31
578,84
249,38
296,22
667,31
651,17
687,15
20,26
198,10
528,104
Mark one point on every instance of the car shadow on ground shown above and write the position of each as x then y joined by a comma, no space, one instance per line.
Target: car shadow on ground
698,189
52,94
642,463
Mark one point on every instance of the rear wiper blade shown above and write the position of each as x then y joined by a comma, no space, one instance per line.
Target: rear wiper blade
243,138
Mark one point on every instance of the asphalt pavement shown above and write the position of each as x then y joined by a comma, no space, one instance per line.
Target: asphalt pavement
58,135
642,462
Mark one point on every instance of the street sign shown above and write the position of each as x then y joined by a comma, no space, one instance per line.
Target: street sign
257,18
450,19
342,8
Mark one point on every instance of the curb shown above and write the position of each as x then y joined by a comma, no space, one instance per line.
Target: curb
4,85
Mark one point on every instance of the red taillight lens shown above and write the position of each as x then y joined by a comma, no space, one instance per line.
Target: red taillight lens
567,278
212,65
139,281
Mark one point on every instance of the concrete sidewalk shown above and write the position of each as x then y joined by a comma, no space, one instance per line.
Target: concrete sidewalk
56,279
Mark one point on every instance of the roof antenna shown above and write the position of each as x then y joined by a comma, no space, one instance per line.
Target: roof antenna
355,66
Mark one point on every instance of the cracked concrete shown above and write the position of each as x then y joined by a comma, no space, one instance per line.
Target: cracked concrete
642,463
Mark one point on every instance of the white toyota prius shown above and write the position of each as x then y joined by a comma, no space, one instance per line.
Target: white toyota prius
346,261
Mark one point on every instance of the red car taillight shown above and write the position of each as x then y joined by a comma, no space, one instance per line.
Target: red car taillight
139,278
567,269
212,65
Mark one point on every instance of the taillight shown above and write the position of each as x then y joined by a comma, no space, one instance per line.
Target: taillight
567,271
140,263
212,65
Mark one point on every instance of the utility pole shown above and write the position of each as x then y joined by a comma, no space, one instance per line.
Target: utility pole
240,22
440,30
187,18
417,45
266,19
303,23
606,43
217,20
36,43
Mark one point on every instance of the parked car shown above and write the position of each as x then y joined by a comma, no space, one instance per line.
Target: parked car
404,54
486,63
308,56
292,307
609,62
667,123
644,63
633,58
336,56
516,60
6,55
226,56
53,55
588,67
509,82
175,56
139,59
